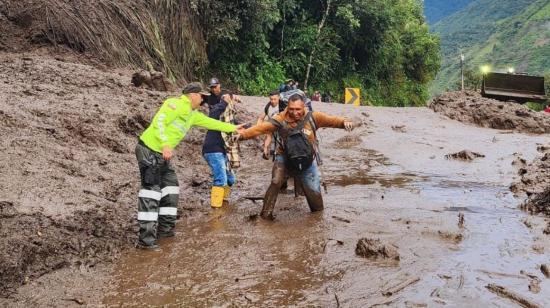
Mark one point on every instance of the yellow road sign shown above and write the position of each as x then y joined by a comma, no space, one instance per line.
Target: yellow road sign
352,96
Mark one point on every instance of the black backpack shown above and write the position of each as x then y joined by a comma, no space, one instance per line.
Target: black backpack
283,99
298,150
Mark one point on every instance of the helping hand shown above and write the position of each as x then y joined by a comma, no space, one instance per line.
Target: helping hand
240,128
166,153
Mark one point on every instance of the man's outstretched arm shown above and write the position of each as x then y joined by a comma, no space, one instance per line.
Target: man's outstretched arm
325,120
257,130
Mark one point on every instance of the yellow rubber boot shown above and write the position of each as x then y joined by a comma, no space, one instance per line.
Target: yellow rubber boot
226,193
216,196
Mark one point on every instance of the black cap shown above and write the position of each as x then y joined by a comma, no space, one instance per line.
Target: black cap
195,87
213,82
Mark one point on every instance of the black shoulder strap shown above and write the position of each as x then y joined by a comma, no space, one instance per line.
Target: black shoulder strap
313,124
305,120
266,109
277,124
316,145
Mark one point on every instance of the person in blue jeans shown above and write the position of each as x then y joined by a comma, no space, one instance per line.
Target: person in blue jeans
214,150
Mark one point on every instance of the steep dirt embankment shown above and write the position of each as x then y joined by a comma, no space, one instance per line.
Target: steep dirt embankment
471,107
68,166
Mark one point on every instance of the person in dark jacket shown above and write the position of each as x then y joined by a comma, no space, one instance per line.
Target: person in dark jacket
214,151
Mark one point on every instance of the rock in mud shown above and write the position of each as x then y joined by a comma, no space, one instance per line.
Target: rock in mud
539,203
534,286
376,250
545,269
399,128
152,80
348,141
464,155
471,107
450,236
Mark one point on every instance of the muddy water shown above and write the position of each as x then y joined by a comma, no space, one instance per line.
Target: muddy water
392,186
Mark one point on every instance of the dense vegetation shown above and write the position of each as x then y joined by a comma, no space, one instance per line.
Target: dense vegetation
499,33
381,46
438,9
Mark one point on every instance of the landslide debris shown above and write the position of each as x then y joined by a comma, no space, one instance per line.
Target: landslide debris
122,32
71,179
471,107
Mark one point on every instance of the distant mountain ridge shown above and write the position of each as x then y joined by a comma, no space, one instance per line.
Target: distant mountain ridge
499,33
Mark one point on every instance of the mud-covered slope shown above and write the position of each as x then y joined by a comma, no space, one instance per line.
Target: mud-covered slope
471,107
69,176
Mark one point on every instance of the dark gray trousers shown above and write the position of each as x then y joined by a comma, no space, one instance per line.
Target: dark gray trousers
158,196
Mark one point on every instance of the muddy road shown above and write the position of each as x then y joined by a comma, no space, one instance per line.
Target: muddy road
454,224
434,230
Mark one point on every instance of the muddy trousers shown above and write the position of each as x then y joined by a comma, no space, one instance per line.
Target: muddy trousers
158,196
310,181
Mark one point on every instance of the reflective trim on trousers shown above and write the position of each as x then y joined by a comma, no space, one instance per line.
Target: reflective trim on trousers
151,194
148,216
170,190
169,211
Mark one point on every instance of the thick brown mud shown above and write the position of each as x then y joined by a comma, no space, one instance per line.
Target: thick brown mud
455,226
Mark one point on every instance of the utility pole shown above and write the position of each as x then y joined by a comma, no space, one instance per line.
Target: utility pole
461,71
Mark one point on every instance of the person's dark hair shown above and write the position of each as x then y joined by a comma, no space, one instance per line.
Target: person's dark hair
274,93
295,98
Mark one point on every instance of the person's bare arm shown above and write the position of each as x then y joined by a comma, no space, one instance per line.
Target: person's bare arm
257,130
325,120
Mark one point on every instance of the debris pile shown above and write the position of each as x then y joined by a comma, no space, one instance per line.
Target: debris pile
471,107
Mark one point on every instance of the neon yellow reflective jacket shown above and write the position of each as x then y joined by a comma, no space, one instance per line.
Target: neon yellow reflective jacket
171,123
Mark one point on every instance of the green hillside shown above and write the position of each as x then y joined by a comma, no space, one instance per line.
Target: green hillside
499,33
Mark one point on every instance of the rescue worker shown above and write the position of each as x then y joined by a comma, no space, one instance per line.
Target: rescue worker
215,146
158,196
270,110
295,119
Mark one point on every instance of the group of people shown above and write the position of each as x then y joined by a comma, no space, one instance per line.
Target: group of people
291,140
290,85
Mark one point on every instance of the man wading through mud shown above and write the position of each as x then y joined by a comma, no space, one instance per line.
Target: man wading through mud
158,197
296,155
